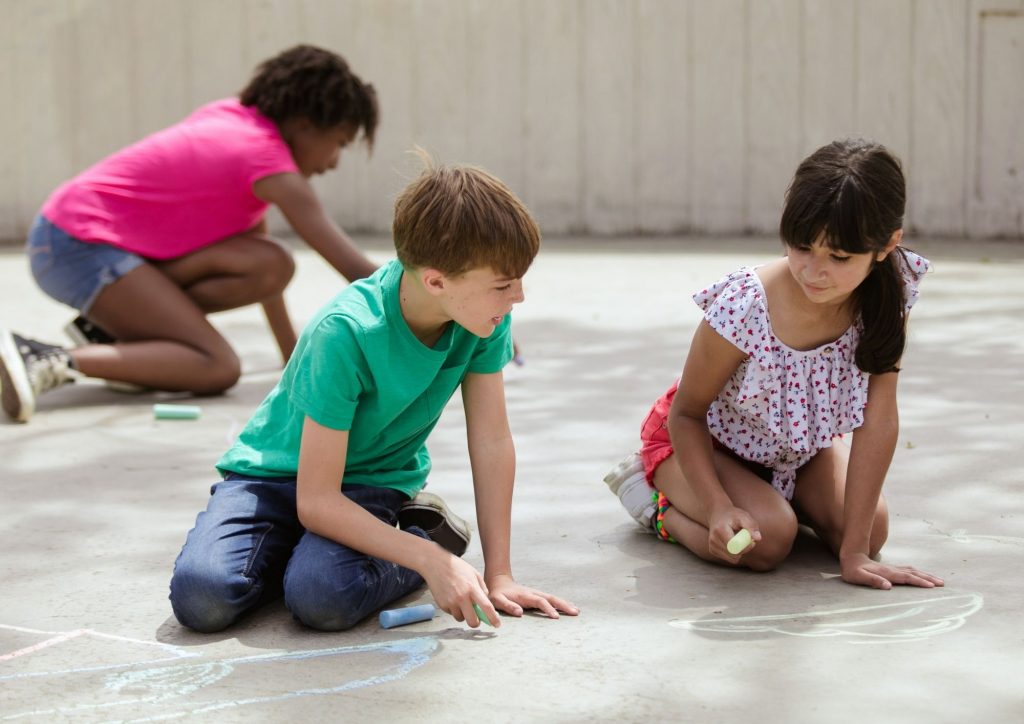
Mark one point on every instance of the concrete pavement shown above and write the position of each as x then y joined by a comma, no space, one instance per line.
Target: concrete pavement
98,497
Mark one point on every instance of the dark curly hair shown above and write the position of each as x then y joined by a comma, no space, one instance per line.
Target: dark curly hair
316,84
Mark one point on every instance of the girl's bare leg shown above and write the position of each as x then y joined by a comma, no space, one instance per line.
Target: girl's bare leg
158,311
820,489
774,515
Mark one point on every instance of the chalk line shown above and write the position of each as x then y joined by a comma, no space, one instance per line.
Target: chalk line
175,653
43,644
960,535
883,623
175,681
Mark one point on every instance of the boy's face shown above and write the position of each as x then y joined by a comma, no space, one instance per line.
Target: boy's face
479,299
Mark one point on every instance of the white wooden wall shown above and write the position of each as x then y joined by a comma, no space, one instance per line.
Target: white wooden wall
606,116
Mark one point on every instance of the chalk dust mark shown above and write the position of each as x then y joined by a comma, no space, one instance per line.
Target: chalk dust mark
884,623
170,652
126,692
960,535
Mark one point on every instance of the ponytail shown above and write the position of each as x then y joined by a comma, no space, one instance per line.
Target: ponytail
882,302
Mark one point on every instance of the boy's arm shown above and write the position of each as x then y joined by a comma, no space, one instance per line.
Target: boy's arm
323,509
300,205
493,463
870,455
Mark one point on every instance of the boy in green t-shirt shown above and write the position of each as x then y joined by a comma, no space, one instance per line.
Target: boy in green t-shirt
334,457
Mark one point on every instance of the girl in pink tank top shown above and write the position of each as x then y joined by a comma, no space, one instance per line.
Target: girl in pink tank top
148,241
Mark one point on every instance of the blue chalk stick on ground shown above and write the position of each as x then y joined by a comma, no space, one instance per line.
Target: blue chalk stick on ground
402,616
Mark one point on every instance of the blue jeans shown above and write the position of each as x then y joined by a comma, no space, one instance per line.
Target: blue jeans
248,547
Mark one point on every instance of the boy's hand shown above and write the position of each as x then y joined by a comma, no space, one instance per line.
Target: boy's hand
512,598
456,586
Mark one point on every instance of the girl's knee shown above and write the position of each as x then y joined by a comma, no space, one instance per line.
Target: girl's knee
778,532
221,374
276,267
879,530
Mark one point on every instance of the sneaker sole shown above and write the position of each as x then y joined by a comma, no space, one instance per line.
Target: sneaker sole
628,470
15,389
424,512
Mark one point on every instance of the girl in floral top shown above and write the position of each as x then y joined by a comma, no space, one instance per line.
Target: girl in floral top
786,361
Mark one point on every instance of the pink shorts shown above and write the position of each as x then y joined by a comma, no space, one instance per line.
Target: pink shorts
656,447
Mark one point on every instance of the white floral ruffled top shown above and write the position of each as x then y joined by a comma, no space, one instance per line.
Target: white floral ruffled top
783,405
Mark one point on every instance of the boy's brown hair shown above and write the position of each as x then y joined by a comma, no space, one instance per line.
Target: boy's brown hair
458,218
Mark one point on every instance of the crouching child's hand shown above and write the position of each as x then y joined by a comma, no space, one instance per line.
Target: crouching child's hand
456,586
513,598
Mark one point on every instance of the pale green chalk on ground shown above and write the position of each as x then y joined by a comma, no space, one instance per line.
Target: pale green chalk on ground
739,541
163,411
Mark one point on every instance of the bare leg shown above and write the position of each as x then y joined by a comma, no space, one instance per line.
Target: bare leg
158,314
820,490
774,515
233,273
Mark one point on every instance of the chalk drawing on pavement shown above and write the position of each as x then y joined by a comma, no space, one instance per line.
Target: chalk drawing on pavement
882,623
175,683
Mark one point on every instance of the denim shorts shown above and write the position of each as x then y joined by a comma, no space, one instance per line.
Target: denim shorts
72,271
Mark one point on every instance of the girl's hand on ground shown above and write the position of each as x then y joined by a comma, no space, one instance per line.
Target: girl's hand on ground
862,571
456,586
726,523
513,598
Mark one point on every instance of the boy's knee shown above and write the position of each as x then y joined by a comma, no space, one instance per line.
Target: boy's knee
202,602
324,606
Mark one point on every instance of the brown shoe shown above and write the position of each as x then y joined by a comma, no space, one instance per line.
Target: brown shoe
429,512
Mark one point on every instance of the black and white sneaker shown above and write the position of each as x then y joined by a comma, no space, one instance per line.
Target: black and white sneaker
430,513
82,332
28,369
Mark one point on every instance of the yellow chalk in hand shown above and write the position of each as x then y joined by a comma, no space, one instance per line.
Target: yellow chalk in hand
739,541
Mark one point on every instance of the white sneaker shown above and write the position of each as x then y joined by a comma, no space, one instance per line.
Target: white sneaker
629,482
28,368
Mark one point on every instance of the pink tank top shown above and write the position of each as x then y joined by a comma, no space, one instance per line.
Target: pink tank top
179,189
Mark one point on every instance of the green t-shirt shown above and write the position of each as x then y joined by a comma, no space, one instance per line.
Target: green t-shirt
358,367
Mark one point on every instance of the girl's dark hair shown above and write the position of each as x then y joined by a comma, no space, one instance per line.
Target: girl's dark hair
316,84
853,192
